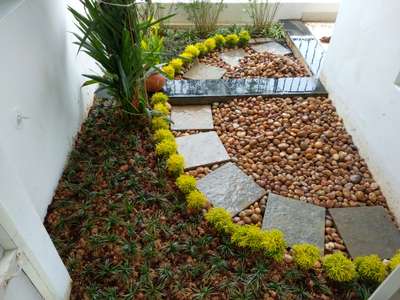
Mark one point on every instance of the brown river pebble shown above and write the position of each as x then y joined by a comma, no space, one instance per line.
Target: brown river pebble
297,148
256,64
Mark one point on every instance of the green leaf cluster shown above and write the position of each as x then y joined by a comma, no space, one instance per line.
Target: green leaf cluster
370,268
339,268
305,255
111,33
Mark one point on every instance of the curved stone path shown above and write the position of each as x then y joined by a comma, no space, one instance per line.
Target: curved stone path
365,230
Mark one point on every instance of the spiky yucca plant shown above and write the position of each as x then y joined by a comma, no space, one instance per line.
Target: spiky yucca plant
111,33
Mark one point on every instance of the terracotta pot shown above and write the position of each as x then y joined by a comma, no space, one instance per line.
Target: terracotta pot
155,83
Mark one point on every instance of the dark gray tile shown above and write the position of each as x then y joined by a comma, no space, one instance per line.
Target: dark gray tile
301,222
367,230
230,188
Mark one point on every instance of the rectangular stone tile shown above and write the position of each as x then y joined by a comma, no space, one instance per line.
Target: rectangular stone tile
233,57
367,230
301,222
202,71
272,47
201,149
259,40
188,117
230,188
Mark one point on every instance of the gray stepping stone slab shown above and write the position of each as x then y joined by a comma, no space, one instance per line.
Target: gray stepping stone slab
232,57
202,71
300,222
191,117
260,40
272,47
230,188
367,230
201,149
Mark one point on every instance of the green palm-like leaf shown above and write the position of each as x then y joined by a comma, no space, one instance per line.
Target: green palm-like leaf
111,35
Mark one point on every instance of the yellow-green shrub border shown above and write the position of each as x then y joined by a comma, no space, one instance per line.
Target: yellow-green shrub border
337,267
199,49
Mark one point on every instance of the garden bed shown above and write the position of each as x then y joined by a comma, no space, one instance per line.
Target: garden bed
254,65
297,148
123,230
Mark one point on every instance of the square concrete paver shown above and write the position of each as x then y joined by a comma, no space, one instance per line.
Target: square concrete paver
232,57
272,47
367,230
188,117
201,71
230,188
201,149
301,222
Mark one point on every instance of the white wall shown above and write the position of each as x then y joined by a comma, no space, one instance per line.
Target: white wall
40,79
20,287
361,66
235,11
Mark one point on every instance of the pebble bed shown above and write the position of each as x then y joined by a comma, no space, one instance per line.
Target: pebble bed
256,64
298,148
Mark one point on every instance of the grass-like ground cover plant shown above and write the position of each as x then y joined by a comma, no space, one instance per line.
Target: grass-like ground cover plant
123,229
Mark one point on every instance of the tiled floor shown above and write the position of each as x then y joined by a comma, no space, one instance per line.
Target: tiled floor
320,29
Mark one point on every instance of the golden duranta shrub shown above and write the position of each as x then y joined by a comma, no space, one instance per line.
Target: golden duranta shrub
186,183
163,134
169,71
186,56
271,242
166,147
339,268
159,97
219,40
159,123
202,48
231,40
370,268
177,64
162,108
210,43
248,236
220,219
395,261
244,37
192,50
274,244
176,164
196,200
305,255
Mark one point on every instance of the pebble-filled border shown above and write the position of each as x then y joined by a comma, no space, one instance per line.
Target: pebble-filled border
336,266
